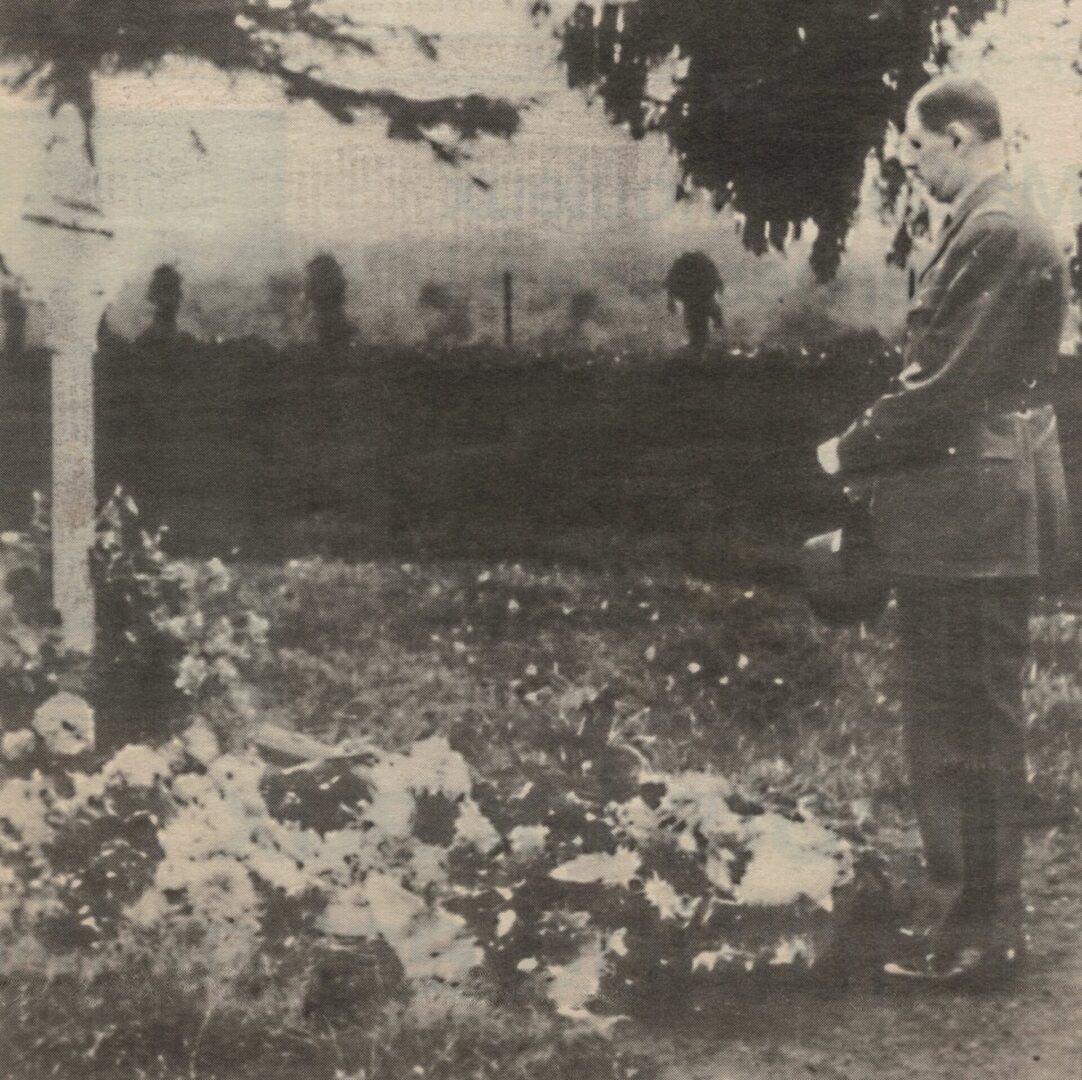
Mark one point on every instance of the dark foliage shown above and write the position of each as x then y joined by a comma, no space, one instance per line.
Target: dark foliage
400,451
475,451
467,450
782,100
62,44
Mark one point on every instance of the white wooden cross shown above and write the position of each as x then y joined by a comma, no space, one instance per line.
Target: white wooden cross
63,247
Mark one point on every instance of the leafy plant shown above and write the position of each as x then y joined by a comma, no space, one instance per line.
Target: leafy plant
170,635
169,632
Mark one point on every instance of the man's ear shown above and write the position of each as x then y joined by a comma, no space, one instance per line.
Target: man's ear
959,134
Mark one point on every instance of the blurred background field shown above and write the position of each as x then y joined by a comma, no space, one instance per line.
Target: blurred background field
584,456
576,454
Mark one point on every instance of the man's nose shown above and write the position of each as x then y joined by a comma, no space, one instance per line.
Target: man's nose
901,162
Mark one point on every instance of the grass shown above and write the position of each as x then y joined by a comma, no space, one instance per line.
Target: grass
703,674
127,1024
739,679
713,675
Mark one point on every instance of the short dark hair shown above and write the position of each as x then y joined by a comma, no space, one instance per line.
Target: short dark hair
951,98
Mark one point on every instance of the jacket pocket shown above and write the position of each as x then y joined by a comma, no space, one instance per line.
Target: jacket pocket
971,507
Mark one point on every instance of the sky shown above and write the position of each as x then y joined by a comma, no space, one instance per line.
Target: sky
276,183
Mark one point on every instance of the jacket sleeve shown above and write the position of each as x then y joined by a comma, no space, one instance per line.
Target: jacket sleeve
952,353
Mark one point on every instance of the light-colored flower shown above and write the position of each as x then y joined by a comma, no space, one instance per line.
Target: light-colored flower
24,808
669,903
192,673
257,627
572,985
438,946
600,867
474,829
200,742
136,766
726,954
217,576
528,839
65,723
17,745
433,766
218,888
790,859
789,950
224,669
278,870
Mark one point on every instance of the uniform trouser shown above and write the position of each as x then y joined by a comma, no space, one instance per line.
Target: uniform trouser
964,646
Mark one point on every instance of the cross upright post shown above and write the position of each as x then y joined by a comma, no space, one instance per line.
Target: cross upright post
66,256
73,500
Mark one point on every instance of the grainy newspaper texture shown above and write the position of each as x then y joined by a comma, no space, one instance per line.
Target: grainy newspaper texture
538,537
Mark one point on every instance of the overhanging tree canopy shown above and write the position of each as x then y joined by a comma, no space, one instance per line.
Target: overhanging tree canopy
781,102
61,44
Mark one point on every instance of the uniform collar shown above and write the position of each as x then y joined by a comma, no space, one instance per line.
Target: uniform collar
974,193
965,202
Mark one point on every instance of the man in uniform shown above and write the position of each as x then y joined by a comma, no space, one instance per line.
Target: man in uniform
959,465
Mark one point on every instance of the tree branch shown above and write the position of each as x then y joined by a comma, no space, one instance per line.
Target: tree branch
65,43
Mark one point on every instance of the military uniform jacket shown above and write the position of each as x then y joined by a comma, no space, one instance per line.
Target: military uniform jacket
960,461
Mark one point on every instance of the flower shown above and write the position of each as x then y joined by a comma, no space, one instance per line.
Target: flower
528,839
474,829
16,745
200,741
192,673
791,949
600,868
669,903
66,724
218,578
438,946
137,766
572,985
219,888
790,859
225,669
708,959
278,870
433,766
24,807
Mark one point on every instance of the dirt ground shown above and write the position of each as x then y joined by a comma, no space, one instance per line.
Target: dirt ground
1029,1031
